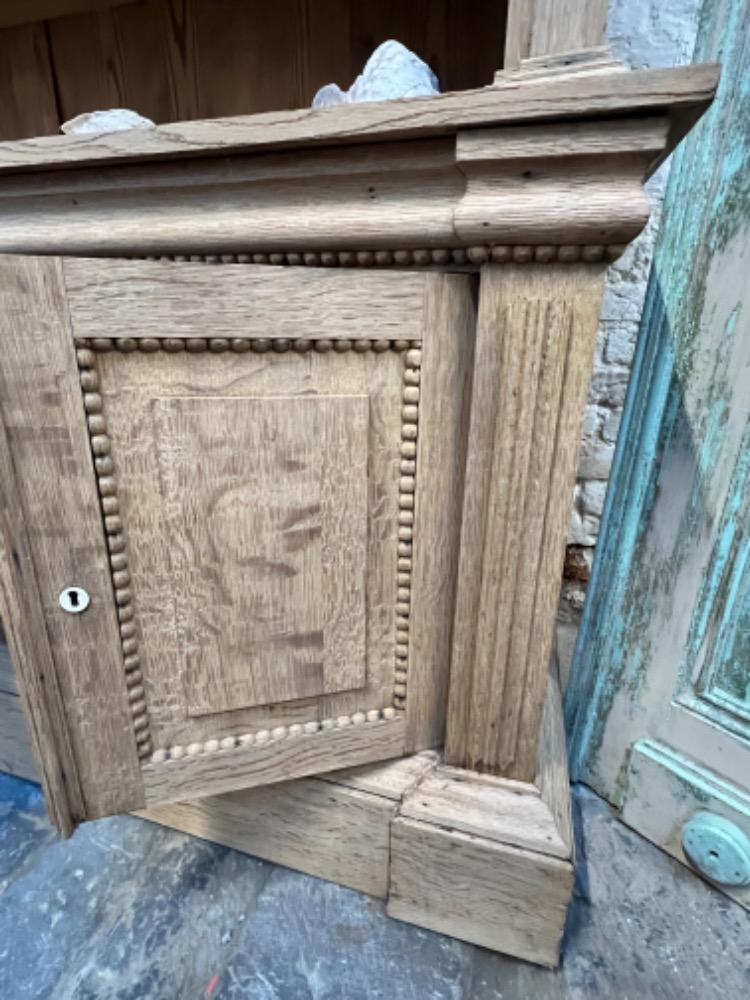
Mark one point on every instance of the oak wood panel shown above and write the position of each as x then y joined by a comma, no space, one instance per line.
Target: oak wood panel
391,778
509,814
273,761
399,194
535,339
159,299
683,93
552,777
444,392
20,609
129,382
49,449
27,94
313,826
491,894
547,27
266,511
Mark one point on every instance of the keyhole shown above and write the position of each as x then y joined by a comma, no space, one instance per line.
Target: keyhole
74,600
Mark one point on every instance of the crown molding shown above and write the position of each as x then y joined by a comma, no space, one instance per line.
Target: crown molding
454,171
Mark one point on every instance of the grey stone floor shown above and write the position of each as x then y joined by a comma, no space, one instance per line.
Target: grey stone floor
129,911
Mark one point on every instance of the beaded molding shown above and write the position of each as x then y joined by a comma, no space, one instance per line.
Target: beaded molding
101,446
462,256
407,485
264,736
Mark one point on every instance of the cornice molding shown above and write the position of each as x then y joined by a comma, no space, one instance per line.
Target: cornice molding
440,184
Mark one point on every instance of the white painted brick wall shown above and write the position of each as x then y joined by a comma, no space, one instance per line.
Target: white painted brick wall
643,33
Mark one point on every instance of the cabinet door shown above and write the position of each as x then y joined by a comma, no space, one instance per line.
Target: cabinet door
230,508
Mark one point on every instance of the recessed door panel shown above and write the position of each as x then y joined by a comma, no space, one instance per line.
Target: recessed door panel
265,505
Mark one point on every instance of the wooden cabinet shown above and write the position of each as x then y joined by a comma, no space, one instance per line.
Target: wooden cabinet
291,408
238,482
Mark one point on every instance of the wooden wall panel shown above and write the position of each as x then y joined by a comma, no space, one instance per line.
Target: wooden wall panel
27,95
174,60
86,63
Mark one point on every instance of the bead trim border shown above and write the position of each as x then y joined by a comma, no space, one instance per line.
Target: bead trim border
407,486
264,736
461,256
101,446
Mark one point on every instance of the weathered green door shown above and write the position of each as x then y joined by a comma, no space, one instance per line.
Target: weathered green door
659,704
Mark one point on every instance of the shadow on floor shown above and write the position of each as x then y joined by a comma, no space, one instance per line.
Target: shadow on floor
127,910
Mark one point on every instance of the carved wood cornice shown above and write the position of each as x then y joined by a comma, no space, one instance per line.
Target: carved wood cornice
527,164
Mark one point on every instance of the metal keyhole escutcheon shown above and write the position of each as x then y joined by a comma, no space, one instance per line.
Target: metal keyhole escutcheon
74,600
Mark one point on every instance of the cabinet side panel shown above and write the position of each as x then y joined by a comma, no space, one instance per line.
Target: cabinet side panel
444,393
46,429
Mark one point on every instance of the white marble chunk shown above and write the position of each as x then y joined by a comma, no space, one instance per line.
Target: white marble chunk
113,120
392,71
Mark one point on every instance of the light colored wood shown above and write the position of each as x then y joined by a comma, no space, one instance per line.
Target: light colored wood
444,395
273,760
552,778
159,299
45,424
179,430
535,340
129,382
535,816
491,894
641,91
518,176
391,779
16,754
548,27
598,59
366,203
430,193
311,825
282,521
516,815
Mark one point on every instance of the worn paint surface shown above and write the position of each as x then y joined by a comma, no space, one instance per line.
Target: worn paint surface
664,650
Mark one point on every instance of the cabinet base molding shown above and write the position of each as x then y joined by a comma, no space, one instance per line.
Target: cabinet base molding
483,859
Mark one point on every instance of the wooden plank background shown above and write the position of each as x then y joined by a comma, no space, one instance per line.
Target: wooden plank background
175,60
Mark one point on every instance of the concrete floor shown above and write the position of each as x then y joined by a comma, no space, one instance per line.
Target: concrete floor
129,911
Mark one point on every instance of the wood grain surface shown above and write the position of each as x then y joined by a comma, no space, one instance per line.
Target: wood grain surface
683,93
266,515
44,419
535,339
158,299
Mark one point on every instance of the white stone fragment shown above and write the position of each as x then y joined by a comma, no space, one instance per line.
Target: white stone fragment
113,120
392,71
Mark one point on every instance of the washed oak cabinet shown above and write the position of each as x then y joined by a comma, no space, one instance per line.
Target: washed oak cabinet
291,408
226,487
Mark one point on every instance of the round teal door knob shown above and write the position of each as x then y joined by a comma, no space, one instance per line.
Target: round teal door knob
718,849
